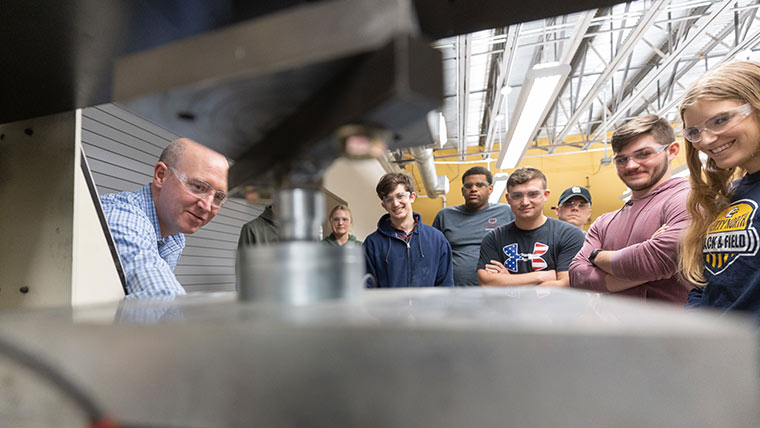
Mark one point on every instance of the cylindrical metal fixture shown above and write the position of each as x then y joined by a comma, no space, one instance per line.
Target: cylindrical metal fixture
300,212
425,164
299,273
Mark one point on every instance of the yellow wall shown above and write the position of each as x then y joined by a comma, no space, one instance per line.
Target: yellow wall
562,171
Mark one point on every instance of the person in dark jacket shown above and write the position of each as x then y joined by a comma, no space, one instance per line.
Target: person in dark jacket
404,252
262,230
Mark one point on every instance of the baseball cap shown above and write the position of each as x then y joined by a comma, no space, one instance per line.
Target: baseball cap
574,191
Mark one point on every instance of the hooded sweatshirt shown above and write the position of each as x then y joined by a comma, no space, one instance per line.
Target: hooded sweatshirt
424,262
330,239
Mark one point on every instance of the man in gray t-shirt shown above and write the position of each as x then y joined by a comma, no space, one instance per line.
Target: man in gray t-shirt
464,226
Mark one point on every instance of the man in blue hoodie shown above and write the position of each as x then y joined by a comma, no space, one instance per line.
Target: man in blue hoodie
404,252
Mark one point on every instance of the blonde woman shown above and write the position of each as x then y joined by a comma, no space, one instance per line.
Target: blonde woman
341,221
720,248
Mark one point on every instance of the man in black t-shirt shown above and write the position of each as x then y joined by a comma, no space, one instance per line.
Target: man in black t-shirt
533,249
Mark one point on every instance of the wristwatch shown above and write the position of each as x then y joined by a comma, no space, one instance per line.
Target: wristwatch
593,255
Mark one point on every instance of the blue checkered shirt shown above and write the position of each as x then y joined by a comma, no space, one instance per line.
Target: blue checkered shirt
148,260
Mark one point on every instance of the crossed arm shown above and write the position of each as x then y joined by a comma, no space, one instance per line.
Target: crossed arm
619,270
496,275
616,284
492,271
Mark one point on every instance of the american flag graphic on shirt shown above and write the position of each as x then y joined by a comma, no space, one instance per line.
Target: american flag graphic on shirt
536,260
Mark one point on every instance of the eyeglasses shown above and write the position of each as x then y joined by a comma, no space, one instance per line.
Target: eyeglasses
480,184
339,219
638,156
573,204
401,197
199,188
534,194
718,124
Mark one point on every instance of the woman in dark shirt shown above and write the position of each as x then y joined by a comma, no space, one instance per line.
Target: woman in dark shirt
720,248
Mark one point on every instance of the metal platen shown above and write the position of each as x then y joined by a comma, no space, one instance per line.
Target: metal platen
60,56
275,104
522,357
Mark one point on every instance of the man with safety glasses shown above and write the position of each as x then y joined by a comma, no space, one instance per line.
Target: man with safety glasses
465,226
533,249
634,250
148,225
574,206
404,252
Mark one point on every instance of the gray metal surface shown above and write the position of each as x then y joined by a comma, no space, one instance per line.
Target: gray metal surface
392,88
522,357
60,55
318,33
36,221
274,121
54,248
300,213
299,272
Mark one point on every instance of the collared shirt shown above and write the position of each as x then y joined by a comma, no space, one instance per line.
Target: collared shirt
406,237
148,260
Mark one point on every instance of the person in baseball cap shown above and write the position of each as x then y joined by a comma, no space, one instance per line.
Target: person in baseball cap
574,206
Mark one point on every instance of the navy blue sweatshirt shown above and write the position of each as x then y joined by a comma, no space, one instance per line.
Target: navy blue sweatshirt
424,262
732,263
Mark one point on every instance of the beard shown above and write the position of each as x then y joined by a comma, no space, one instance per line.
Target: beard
657,173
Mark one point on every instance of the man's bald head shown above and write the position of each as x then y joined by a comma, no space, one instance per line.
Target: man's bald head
183,163
173,153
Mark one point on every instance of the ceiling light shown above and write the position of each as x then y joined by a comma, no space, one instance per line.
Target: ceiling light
499,187
539,90
437,125
442,134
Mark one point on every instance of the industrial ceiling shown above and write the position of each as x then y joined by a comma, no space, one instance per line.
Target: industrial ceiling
625,60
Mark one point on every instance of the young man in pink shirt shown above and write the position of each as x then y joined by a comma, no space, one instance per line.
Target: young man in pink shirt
634,250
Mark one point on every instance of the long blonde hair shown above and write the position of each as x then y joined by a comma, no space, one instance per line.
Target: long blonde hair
710,186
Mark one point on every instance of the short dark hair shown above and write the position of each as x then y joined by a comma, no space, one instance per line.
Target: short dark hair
478,170
658,127
524,175
390,181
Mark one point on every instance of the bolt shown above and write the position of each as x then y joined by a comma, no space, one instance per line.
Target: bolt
29,131
24,289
